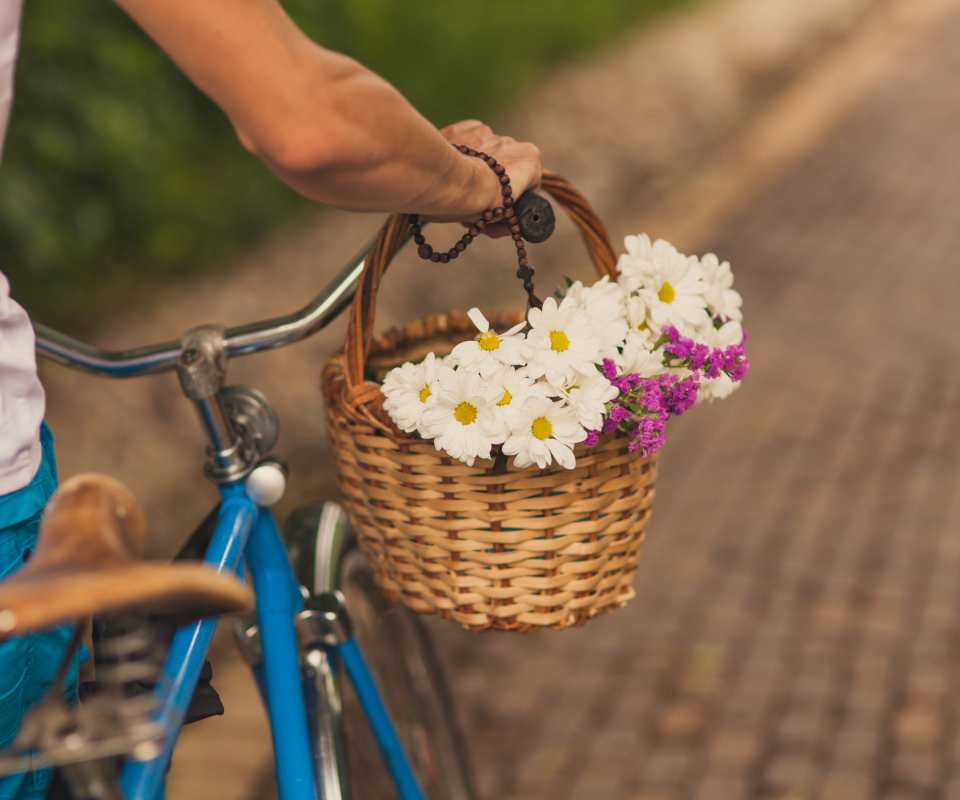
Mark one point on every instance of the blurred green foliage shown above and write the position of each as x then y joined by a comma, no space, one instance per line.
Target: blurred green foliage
118,175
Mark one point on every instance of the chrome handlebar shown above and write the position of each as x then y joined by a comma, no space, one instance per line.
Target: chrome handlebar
239,341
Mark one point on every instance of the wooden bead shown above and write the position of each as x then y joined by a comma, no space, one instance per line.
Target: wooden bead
506,191
452,253
492,163
471,152
444,258
515,229
508,201
504,179
498,170
528,286
462,244
463,149
435,257
424,250
468,237
523,262
414,219
419,238
487,216
516,237
521,252
481,156
480,224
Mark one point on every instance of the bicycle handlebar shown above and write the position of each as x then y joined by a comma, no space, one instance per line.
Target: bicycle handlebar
241,340
536,225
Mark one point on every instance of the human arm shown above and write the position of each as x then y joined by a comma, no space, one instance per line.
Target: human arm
330,128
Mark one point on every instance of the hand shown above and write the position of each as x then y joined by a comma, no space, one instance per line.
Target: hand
521,160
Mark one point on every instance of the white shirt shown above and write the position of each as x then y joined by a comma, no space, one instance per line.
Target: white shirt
22,402
10,11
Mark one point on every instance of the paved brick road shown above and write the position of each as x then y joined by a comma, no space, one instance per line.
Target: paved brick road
796,632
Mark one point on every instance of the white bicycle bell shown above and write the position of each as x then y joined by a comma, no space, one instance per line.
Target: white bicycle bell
267,483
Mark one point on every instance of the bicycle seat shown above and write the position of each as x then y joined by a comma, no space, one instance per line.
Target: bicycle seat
89,561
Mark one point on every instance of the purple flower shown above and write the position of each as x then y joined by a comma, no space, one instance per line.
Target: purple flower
647,437
678,395
609,369
714,364
592,438
737,373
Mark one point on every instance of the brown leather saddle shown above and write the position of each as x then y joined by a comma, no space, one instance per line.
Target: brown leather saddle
89,561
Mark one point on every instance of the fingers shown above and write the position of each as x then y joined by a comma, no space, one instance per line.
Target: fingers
470,132
520,161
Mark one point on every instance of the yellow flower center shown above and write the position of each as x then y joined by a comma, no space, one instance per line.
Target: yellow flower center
507,397
559,341
667,293
541,428
488,341
424,394
465,413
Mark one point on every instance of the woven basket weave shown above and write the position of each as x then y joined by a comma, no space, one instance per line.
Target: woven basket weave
522,550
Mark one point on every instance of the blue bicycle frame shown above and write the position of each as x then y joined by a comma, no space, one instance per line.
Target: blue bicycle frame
248,534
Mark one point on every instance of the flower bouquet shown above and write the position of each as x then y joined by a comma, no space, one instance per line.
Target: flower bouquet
502,472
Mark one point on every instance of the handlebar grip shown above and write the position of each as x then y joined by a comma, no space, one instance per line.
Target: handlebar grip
536,216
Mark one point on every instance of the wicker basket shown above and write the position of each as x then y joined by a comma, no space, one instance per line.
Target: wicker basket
521,550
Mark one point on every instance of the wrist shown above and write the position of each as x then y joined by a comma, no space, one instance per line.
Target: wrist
484,191
465,189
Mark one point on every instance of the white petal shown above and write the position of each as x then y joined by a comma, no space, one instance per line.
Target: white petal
478,319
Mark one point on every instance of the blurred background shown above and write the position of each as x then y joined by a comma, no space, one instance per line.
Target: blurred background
796,629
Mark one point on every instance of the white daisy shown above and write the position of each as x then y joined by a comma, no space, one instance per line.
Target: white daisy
407,392
588,398
463,419
605,304
636,265
562,342
544,431
715,388
517,386
489,350
639,359
721,298
675,296
727,334
641,329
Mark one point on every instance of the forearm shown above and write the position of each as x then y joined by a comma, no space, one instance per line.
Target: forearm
327,126
375,152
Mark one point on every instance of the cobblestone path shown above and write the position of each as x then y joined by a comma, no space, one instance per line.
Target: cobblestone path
796,632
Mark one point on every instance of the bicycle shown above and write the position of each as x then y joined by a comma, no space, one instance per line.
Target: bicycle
319,613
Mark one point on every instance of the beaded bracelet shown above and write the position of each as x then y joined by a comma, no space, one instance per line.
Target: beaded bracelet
506,213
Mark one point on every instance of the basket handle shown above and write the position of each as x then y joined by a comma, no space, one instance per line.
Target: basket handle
389,240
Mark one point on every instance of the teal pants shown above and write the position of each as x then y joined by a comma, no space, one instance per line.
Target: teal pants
28,663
